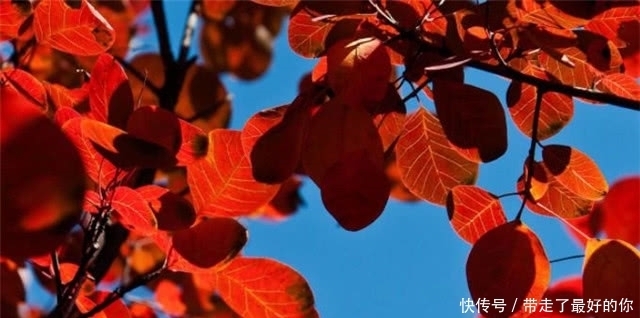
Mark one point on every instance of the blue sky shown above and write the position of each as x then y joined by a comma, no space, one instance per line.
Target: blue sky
410,263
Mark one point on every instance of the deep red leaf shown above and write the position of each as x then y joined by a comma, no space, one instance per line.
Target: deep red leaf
110,96
172,211
133,211
621,210
12,16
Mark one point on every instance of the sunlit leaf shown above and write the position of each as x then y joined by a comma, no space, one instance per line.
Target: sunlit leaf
620,85
117,309
472,119
610,272
25,86
262,288
285,203
508,262
82,31
276,3
306,36
222,183
576,171
133,211
389,116
12,16
168,294
473,211
621,210
429,166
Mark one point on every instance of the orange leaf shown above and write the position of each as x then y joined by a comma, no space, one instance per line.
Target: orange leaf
576,171
335,130
306,36
206,244
172,211
276,3
570,68
556,110
621,85
263,288
473,211
133,211
509,263
429,167
222,183
610,271
355,190
85,304
621,210
110,96
168,294
472,119
40,202
82,31
609,22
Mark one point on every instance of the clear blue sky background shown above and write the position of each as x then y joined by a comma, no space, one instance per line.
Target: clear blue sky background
409,263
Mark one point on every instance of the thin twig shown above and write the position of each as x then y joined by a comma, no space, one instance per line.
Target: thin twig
566,258
55,261
510,194
532,151
126,65
415,91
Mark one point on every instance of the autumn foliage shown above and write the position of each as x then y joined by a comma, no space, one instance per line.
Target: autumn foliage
119,169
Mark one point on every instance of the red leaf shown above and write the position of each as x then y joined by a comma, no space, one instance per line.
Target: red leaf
64,115
567,288
472,119
610,272
168,295
81,31
429,167
62,97
284,203
621,210
588,225
355,190
576,171
473,211
222,182
40,202
110,96
206,244
155,125
133,211
620,85
12,16
172,211
12,289
610,22
24,86
556,110
117,309
306,36
337,129
276,3
261,287
570,68
85,304
509,263
389,116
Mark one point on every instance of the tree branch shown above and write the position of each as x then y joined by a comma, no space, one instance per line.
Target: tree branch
557,87
189,30
160,20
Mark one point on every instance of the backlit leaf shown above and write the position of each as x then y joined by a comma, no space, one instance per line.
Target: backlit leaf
472,119
508,262
429,166
85,304
82,31
621,210
61,97
40,202
576,171
556,110
306,36
168,294
133,211
473,211
172,211
389,116
355,190
117,309
609,22
26,87
285,203
110,96
571,68
610,272
336,129
589,225
206,244
155,125
263,288
222,183
620,85
276,3
12,16
566,288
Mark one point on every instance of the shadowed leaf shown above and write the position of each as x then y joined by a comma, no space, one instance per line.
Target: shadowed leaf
575,171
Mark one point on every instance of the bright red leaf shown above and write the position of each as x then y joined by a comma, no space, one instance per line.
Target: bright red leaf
82,31
473,211
12,16
133,211
621,210
222,183
306,36
429,166
622,85
508,262
172,211
110,96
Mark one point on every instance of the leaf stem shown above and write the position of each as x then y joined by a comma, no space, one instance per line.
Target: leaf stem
126,65
509,194
566,258
56,272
